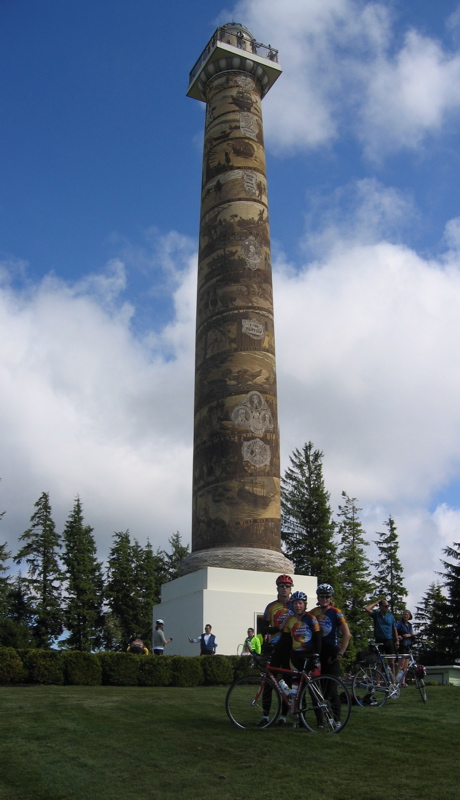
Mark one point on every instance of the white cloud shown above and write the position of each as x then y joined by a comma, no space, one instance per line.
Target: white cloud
89,409
364,211
346,70
409,95
366,346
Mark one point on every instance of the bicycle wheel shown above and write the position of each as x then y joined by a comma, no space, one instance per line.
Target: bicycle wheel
420,684
370,687
243,703
325,705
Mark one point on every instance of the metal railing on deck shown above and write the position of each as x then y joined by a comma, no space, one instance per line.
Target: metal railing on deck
239,40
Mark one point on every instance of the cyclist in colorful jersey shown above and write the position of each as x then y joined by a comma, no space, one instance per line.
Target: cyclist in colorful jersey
304,631
274,620
335,633
278,611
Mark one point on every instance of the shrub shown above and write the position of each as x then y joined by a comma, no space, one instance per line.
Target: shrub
11,667
155,671
241,665
216,670
81,669
119,669
186,671
44,666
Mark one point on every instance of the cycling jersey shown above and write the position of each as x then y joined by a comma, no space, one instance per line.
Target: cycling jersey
302,632
276,614
330,621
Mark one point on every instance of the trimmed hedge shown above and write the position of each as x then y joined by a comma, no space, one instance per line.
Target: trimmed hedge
11,667
119,669
186,671
241,665
71,667
44,666
216,670
81,669
155,671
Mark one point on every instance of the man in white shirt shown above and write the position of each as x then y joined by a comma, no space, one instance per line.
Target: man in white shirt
208,642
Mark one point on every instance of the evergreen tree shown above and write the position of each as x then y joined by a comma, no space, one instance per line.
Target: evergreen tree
44,576
84,590
171,561
16,627
354,570
432,626
307,529
389,571
122,588
451,577
4,580
153,576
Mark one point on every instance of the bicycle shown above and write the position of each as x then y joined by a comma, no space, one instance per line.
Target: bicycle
320,702
417,672
374,683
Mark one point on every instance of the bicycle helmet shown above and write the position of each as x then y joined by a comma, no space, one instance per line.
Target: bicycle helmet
299,596
325,588
284,579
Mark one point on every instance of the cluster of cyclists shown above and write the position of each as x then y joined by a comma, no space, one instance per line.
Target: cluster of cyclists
295,634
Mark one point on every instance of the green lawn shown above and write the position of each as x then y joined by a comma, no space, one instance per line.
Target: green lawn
109,743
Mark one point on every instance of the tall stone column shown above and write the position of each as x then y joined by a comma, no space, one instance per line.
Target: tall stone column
236,467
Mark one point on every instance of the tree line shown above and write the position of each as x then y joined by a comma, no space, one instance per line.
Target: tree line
335,551
66,594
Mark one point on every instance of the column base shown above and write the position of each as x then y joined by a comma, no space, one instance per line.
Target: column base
249,558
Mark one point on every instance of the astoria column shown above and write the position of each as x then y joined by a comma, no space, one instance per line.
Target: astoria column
236,464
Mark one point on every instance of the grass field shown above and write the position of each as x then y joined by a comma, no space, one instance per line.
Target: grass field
109,743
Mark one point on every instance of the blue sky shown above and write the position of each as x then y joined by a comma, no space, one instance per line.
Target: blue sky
100,172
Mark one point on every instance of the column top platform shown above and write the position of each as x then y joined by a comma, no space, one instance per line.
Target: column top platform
232,46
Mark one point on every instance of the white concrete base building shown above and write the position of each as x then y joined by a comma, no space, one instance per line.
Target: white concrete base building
231,600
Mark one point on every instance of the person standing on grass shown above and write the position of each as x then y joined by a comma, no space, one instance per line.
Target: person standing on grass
406,639
251,643
274,619
159,639
335,633
207,640
304,631
385,632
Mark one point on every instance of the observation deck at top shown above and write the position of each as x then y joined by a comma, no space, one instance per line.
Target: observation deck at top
232,47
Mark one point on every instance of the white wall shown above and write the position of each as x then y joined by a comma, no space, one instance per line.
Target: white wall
229,599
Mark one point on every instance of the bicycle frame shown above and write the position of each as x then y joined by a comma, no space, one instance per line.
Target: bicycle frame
375,683
319,703
268,674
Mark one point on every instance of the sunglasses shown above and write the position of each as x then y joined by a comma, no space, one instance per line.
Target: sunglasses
325,596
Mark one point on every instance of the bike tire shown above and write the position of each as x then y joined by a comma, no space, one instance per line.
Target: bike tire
420,684
243,702
370,687
325,705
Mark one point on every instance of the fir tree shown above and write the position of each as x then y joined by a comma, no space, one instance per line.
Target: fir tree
431,624
354,570
4,579
84,591
307,529
172,560
44,576
389,571
16,627
451,577
121,590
